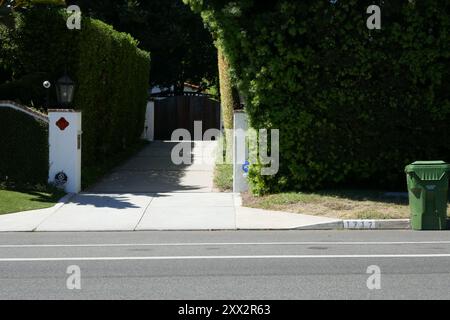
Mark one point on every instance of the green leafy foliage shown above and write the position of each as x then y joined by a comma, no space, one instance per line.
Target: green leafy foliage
20,137
26,91
229,99
182,49
112,83
353,105
39,45
110,72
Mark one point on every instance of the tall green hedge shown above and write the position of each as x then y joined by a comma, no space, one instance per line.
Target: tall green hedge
353,105
24,148
112,84
110,71
36,47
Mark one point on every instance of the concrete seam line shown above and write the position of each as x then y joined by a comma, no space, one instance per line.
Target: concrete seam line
143,213
226,257
235,213
61,203
237,198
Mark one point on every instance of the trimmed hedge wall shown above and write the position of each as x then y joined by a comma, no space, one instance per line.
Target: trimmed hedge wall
353,105
24,148
110,71
112,85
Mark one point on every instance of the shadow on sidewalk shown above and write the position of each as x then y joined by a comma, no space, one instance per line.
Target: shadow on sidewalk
103,201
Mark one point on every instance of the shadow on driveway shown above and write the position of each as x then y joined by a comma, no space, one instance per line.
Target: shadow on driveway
153,171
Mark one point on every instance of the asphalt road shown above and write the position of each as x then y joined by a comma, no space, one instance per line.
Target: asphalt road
226,265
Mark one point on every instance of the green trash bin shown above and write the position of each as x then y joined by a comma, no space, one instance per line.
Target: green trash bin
428,194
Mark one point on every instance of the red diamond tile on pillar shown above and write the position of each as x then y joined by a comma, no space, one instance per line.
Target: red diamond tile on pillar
62,124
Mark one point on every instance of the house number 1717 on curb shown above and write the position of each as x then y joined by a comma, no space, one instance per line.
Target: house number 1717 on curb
359,224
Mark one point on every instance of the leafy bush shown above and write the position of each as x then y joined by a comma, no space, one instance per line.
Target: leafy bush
112,83
110,72
223,177
20,137
39,43
26,91
353,105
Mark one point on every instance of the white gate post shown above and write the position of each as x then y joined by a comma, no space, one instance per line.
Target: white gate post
65,149
149,127
240,152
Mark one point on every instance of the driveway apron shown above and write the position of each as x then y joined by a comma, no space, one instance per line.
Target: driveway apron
151,192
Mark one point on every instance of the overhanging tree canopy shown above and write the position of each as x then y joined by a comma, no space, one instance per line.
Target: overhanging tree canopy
182,49
353,105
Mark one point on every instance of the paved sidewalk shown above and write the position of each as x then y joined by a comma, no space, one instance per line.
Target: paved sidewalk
24,221
193,211
98,212
29,220
162,211
149,192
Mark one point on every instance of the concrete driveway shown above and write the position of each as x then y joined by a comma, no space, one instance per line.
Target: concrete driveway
150,192
153,171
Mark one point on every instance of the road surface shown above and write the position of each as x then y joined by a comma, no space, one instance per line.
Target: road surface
226,265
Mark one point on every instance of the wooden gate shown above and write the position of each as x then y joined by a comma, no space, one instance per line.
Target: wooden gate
180,113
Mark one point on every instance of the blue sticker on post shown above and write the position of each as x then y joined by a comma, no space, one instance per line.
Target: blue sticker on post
245,168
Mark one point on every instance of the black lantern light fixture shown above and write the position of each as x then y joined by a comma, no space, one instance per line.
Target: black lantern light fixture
65,88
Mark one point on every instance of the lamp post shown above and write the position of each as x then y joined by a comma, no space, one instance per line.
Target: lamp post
65,132
65,88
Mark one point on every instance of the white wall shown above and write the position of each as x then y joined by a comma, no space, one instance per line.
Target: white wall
149,126
65,148
240,151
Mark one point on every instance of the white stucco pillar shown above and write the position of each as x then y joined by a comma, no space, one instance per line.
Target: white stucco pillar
149,127
65,133
240,152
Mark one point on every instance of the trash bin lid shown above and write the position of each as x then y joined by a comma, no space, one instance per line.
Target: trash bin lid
429,163
429,170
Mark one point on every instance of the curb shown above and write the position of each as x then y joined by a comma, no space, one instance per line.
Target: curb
339,225
348,224
389,224
397,224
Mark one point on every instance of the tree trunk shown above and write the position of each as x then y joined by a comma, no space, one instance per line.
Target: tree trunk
229,98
